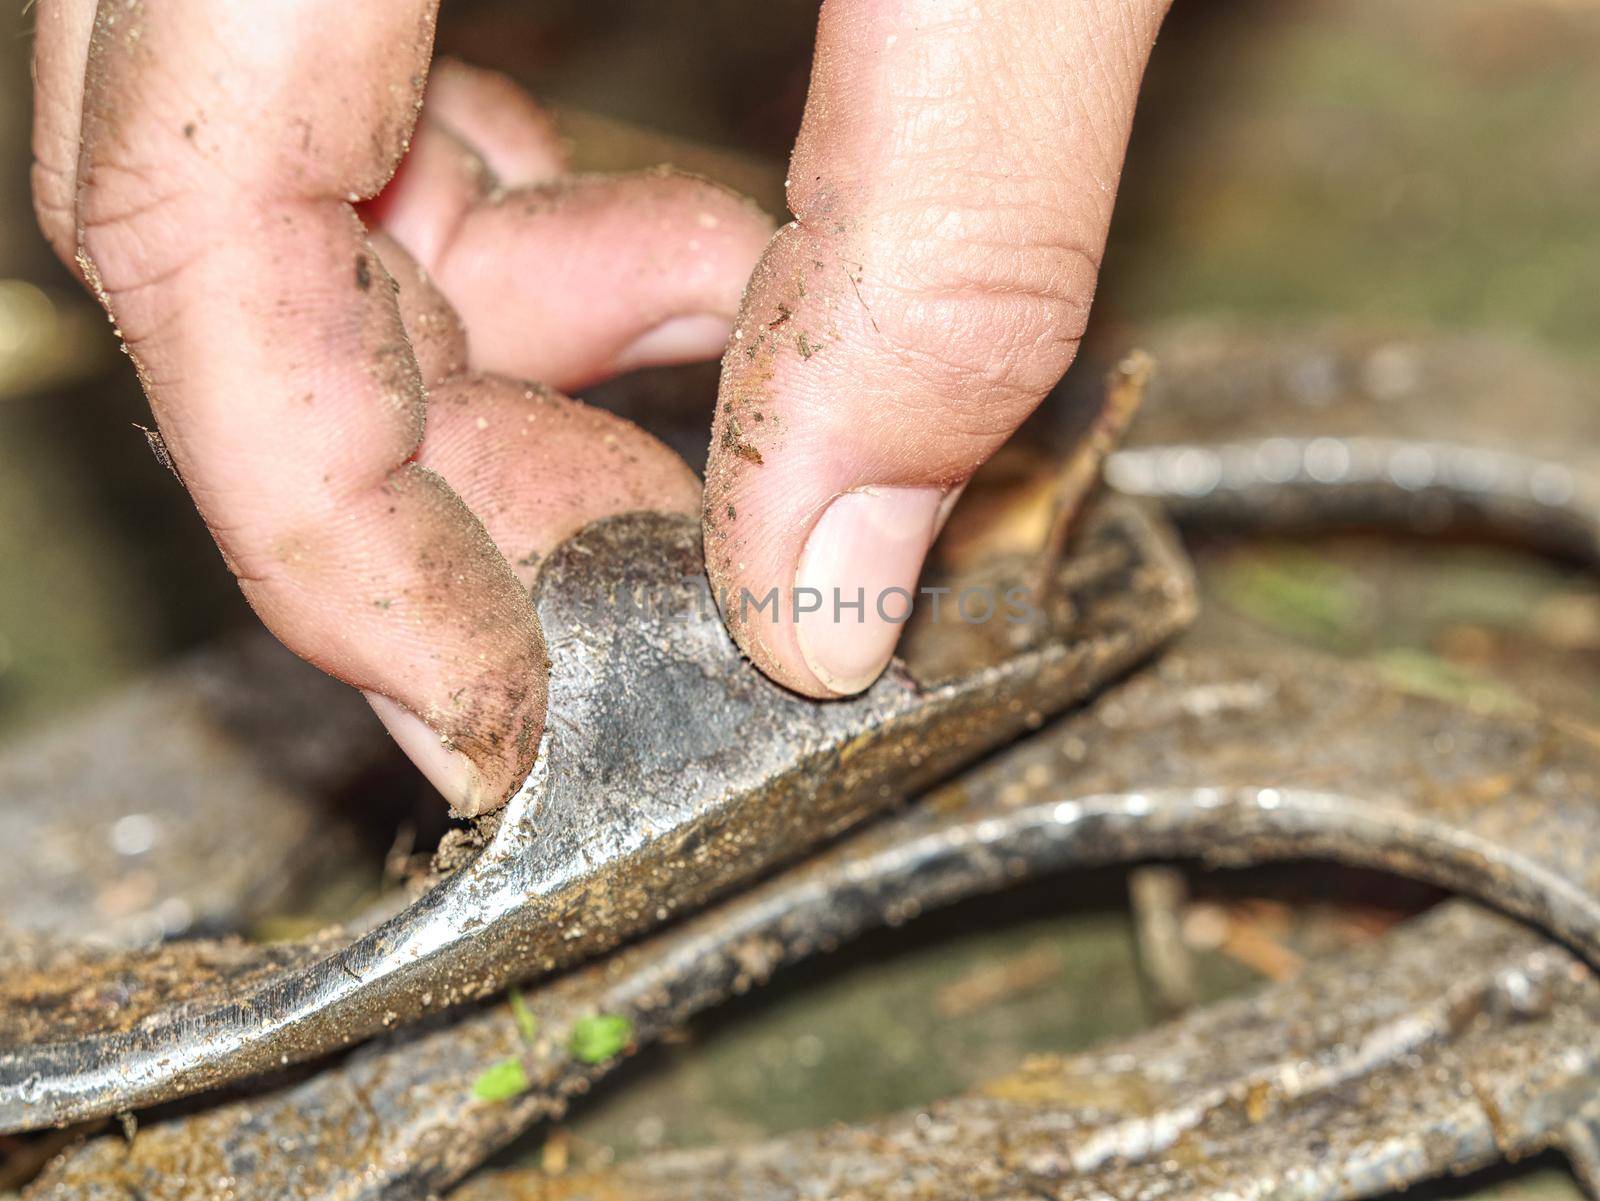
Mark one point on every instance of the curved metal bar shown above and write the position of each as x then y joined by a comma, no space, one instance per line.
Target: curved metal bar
1287,432
1426,487
1448,1032
670,769
1407,1083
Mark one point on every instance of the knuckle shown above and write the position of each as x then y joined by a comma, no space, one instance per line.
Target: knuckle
135,233
996,320
54,209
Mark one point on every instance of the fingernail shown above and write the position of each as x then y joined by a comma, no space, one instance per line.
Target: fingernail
447,770
677,340
867,547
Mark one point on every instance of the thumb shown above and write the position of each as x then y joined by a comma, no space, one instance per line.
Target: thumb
952,186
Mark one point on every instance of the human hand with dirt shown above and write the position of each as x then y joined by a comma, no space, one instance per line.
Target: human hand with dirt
334,341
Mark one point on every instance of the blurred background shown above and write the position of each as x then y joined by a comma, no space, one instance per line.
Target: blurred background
1422,171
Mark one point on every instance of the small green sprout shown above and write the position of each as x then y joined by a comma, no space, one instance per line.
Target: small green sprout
527,1024
503,1081
596,1039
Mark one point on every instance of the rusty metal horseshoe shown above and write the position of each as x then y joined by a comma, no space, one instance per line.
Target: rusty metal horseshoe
670,770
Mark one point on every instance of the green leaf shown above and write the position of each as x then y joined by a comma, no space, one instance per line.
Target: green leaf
527,1024
503,1081
596,1039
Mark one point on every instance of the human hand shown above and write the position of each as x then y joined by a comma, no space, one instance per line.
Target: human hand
199,161
371,467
